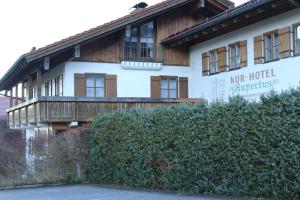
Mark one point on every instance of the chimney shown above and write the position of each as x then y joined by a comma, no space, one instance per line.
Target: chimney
138,7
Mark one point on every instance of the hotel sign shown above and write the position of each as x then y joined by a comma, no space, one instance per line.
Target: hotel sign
253,83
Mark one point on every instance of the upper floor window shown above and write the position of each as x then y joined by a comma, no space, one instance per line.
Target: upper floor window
95,86
297,40
234,56
168,87
271,46
139,41
213,61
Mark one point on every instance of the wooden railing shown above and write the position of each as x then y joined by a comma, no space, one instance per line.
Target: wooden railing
82,109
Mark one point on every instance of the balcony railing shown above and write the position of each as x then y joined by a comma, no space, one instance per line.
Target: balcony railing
142,53
82,109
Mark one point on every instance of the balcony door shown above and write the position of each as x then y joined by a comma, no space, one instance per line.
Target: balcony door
140,42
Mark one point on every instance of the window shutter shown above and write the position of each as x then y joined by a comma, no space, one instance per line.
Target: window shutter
155,87
111,86
183,87
222,59
243,49
205,59
258,56
284,42
79,85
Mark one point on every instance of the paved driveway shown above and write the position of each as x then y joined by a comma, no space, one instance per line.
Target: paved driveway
92,193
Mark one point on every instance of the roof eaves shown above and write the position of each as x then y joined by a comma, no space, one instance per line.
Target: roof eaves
228,14
21,61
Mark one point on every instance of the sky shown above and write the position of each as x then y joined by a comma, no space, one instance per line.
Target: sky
36,23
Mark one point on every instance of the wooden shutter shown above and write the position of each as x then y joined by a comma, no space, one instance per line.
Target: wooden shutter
205,59
111,86
284,42
243,49
79,89
222,59
183,87
155,87
258,54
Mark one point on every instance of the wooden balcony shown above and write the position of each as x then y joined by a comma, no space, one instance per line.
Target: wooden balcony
47,110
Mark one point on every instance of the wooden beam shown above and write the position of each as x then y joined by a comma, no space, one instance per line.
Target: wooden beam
11,98
29,88
22,92
39,81
16,95
46,63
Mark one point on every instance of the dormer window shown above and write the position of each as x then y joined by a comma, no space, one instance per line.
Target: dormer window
139,42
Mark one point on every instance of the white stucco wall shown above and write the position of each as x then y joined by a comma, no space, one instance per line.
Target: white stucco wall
282,74
130,83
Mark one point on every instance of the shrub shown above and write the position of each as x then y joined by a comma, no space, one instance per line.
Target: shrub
234,148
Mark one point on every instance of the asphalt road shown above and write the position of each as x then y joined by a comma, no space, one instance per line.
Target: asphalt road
86,192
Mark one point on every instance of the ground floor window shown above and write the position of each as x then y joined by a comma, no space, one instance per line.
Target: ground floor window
168,87
95,85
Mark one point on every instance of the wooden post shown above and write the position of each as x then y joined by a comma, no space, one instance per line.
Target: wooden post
39,82
29,88
11,98
17,95
22,92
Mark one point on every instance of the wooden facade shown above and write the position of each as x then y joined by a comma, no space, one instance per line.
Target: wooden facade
170,23
105,49
110,48
51,110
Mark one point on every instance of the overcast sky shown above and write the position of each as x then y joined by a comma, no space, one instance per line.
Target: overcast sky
36,23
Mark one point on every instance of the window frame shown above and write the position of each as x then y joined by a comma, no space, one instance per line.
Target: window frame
238,62
137,53
168,88
216,62
95,83
273,46
295,26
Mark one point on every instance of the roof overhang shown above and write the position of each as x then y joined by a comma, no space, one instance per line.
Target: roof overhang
231,20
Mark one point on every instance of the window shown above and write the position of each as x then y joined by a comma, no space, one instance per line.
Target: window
297,40
234,56
54,87
47,89
95,86
213,61
168,87
139,41
57,88
61,85
271,46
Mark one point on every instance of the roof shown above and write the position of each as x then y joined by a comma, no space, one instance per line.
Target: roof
112,26
220,18
97,32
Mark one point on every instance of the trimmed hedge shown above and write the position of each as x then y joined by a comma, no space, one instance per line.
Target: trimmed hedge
234,148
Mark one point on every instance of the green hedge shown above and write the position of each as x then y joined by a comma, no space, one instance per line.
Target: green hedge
234,148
